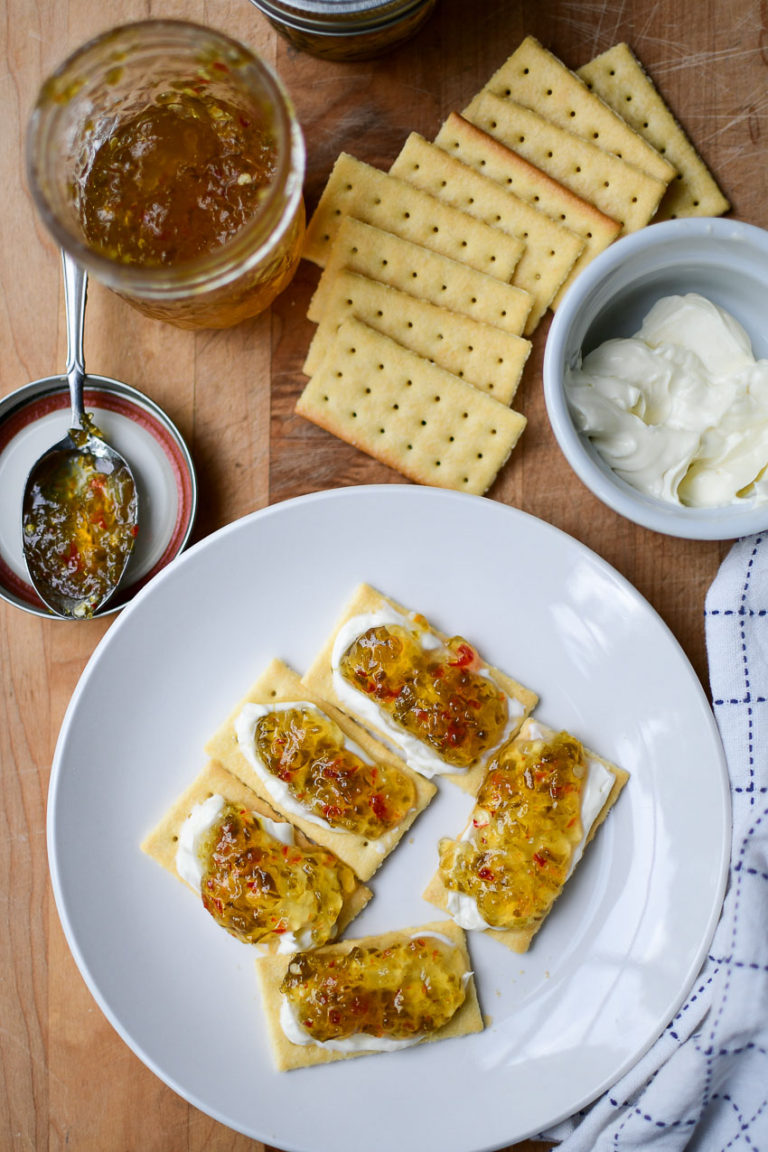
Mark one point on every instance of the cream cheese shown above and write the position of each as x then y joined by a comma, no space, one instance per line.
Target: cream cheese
598,783
360,1041
680,410
190,863
245,730
417,753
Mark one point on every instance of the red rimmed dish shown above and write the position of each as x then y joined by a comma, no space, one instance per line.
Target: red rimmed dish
36,415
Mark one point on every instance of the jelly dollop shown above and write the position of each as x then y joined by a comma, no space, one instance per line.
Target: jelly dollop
437,691
259,888
407,989
524,828
305,749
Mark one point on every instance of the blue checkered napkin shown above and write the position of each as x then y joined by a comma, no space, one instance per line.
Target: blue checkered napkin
704,1084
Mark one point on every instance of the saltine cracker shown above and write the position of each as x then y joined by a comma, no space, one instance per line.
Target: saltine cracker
519,939
483,356
551,250
495,160
420,272
270,971
162,842
619,78
367,600
355,188
533,76
617,188
280,684
408,412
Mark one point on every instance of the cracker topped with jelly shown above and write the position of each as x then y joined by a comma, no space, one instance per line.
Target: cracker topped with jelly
373,994
432,696
542,800
257,875
320,769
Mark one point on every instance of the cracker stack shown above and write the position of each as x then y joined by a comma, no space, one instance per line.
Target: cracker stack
437,273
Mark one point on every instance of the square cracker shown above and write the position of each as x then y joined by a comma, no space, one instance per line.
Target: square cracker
519,939
535,77
357,189
421,272
409,413
550,249
280,684
483,356
366,599
619,78
474,146
617,188
161,843
270,971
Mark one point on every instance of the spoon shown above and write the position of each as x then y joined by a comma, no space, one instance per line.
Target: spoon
80,507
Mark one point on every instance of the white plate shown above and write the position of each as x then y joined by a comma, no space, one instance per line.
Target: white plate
608,969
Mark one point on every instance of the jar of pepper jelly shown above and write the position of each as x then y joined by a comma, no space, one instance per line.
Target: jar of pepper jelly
168,160
346,29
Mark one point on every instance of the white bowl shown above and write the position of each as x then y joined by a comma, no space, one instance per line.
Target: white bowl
724,260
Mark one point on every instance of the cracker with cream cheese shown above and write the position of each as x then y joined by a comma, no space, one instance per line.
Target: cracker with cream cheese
161,844
271,970
280,685
608,781
369,605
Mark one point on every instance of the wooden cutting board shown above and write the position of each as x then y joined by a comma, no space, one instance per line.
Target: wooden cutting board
68,1080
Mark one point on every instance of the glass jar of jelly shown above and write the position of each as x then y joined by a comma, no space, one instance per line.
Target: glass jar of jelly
346,29
168,160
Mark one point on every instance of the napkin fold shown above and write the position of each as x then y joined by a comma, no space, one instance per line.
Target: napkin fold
704,1084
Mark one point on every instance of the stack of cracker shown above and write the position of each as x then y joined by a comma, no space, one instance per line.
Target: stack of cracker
437,273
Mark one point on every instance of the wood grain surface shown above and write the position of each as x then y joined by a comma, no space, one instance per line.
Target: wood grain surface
67,1080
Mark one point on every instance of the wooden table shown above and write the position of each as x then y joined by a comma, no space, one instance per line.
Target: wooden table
67,1079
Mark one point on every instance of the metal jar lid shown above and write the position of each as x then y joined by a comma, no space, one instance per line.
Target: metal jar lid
338,16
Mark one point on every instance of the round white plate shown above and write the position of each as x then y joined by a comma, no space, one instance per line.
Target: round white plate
618,953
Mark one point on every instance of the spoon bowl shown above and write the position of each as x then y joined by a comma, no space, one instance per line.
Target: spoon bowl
80,506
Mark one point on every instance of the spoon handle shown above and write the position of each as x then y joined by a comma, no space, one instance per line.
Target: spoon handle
75,290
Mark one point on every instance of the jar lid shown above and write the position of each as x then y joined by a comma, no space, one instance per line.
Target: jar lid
337,16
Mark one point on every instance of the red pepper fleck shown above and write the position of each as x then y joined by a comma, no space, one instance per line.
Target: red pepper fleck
378,806
464,656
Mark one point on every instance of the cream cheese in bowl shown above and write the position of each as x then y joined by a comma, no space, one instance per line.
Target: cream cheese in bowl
656,381
680,410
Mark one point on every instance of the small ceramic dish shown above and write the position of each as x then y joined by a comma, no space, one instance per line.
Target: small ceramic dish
34,417
723,260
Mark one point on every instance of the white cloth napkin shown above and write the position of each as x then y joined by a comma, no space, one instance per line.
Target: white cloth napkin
704,1084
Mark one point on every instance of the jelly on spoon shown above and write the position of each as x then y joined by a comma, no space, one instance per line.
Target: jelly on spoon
80,507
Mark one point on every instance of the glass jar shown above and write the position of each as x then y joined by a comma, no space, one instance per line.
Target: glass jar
346,29
95,106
